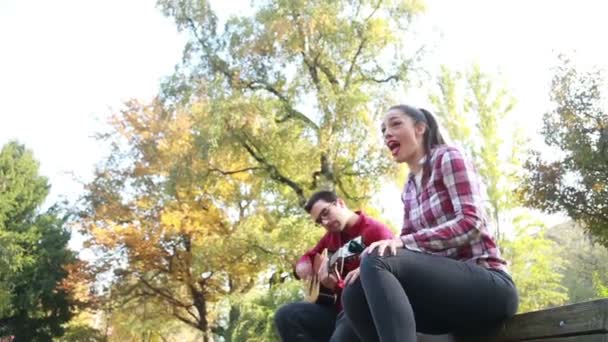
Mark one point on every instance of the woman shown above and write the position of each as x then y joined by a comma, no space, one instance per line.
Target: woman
444,274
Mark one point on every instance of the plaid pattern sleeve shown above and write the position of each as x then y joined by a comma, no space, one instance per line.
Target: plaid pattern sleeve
447,216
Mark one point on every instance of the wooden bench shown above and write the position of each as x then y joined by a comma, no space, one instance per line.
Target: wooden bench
583,322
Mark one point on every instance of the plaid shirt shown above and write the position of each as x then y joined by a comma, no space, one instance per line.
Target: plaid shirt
447,216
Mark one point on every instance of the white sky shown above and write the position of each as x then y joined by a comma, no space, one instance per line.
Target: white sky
65,63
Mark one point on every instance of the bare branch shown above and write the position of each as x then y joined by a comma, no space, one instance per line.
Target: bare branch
312,70
226,173
360,47
374,11
261,248
330,76
222,66
384,80
346,194
163,294
185,320
273,171
353,62
291,112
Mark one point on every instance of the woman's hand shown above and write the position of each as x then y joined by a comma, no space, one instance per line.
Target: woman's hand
392,245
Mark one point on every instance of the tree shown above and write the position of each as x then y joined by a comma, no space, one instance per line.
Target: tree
585,269
80,329
475,112
174,229
573,180
449,102
536,266
155,210
251,318
204,187
34,305
11,261
600,287
297,86
145,319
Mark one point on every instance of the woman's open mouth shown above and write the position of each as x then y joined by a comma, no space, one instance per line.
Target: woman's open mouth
394,146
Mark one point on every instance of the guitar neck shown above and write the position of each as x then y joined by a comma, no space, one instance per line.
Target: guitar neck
334,258
344,251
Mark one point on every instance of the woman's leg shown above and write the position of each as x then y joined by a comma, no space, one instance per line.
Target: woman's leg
413,291
344,331
357,311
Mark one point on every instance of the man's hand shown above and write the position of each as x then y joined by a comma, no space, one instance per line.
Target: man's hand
352,276
327,280
330,281
304,269
391,244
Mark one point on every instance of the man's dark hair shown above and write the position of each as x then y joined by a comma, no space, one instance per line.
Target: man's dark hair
324,195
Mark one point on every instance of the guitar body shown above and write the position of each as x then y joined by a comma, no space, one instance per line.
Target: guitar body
319,294
314,291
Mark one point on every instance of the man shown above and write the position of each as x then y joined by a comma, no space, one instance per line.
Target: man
304,321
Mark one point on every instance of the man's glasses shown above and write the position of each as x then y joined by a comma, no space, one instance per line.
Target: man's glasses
324,214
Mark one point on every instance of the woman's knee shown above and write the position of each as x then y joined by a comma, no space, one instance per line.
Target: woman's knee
404,260
372,262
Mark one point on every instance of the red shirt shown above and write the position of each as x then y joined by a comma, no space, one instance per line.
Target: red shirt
447,216
370,231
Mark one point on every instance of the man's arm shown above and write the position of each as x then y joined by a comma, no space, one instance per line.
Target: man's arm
303,267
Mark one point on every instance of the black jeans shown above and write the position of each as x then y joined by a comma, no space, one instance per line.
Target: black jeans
308,322
409,292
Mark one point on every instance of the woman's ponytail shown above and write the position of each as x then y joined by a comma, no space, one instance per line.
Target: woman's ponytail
432,136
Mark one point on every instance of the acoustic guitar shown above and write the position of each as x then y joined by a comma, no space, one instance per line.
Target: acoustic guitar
314,291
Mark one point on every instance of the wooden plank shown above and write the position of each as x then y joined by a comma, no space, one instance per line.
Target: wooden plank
435,338
450,338
576,319
561,324
580,338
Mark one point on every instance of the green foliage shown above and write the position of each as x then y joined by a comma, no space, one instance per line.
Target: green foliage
585,265
146,320
11,261
33,304
81,332
536,265
296,88
251,317
475,112
451,107
573,180
600,286
22,189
